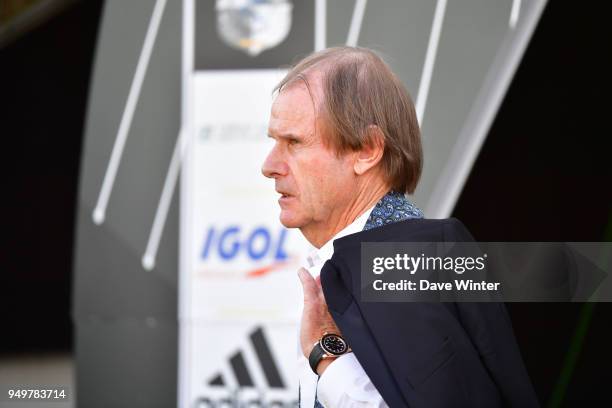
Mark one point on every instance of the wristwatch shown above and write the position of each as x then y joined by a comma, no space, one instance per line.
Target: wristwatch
329,346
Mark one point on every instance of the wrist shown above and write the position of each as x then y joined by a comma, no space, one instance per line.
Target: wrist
325,351
306,350
323,364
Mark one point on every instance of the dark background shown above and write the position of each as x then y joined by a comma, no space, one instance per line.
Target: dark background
543,174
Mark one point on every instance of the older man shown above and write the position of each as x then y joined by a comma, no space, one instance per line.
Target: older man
347,150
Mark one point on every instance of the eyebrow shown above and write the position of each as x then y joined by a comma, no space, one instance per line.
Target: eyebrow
284,136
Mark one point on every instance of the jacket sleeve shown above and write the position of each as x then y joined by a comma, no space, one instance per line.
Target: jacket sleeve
489,328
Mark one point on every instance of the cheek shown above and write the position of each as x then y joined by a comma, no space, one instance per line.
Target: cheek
330,177
309,177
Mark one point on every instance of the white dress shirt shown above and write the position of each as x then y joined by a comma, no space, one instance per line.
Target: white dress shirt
344,383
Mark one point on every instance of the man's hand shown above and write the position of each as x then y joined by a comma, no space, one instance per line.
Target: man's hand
316,319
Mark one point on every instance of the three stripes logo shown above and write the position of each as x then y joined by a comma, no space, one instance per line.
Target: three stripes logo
251,379
240,370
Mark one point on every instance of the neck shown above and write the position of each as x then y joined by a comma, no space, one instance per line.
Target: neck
362,199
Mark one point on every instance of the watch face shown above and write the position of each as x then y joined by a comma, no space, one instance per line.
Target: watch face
334,344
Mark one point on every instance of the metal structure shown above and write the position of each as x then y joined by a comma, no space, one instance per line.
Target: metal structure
457,58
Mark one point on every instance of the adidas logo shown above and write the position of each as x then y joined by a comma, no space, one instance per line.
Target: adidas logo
239,368
251,379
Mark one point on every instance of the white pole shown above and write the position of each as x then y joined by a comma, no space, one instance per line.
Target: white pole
148,259
320,24
99,213
355,28
430,59
514,13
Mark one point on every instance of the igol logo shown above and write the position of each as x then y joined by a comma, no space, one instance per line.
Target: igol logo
259,243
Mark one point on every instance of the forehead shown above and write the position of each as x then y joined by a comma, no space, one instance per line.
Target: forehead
293,107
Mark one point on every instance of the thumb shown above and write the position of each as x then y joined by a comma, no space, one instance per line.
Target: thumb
308,285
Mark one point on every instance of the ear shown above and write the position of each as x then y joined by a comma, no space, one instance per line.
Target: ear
372,151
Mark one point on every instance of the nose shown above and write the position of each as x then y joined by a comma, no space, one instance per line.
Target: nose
274,166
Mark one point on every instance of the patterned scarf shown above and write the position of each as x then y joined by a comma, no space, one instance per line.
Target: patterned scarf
393,207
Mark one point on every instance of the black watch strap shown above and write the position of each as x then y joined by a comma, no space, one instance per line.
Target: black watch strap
315,357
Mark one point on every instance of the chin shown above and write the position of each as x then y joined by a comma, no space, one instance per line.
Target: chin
289,221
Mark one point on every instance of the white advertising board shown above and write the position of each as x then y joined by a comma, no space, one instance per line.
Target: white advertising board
240,296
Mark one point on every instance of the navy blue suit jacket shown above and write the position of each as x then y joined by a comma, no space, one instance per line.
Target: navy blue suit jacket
426,354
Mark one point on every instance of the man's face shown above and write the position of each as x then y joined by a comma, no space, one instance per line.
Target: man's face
313,181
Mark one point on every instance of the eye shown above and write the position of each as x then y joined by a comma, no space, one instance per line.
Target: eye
293,142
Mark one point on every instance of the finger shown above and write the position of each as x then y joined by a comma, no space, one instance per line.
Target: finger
319,287
320,290
308,286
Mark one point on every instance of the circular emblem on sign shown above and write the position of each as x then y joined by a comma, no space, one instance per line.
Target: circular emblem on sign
253,25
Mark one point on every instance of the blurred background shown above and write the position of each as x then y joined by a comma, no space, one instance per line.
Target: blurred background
543,173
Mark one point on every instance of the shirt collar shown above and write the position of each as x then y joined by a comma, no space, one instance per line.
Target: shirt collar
392,207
